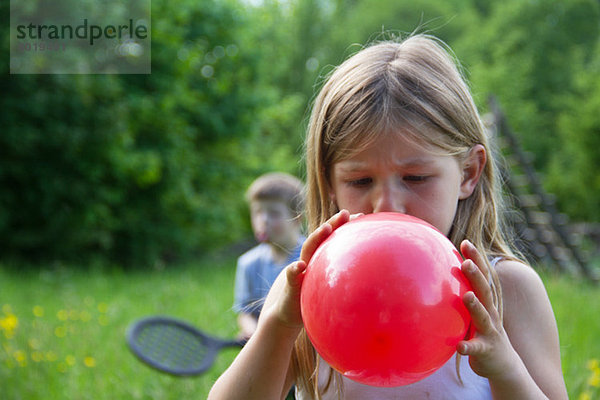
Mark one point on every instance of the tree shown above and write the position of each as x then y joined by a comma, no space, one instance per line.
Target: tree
526,53
134,167
573,173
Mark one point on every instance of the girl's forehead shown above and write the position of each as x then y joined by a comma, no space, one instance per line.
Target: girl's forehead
399,148
396,152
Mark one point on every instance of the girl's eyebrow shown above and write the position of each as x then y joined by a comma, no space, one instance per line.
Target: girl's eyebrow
353,165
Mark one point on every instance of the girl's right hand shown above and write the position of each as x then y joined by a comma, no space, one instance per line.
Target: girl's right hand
283,302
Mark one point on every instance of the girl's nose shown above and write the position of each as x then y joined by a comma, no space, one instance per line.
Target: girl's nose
389,198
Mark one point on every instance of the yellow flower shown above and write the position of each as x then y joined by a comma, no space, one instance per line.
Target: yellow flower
593,364
62,315
103,308
594,380
89,362
38,311
51,356
60,331
62,367
37,356
70,360
20,357
9,324
585,396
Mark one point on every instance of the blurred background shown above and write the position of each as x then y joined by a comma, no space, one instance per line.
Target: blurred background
139,169
114,174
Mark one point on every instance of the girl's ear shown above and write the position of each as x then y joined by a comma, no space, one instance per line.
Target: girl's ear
472,168
332,199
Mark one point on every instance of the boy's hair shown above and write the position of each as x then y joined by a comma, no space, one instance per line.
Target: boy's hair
278,186
415,89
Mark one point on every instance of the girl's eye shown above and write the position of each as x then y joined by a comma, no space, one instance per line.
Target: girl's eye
415,178
360,182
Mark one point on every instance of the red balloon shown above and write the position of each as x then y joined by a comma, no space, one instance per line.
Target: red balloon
381,299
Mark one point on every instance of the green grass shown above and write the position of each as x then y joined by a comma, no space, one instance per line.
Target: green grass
70,338
577,309
62,331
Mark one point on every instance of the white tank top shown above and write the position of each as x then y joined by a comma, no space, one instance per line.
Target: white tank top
442,384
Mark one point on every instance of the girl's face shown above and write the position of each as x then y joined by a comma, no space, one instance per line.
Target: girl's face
394,174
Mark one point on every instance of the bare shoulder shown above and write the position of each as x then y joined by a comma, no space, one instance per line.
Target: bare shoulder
523,292
531,326
517,274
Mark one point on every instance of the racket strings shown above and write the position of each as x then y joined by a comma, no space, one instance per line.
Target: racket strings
172,346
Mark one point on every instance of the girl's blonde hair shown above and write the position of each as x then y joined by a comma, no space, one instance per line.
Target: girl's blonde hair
412,88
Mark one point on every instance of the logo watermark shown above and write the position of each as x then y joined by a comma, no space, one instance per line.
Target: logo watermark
80,37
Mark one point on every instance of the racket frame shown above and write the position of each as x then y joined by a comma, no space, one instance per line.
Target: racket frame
212,344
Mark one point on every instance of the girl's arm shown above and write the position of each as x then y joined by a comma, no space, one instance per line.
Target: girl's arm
262,368
259,371
520,357
247,324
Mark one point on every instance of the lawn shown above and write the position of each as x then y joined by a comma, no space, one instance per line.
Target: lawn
62,331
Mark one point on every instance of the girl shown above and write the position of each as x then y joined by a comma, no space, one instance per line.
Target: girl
395,129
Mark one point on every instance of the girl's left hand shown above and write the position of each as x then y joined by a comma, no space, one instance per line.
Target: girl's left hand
490,351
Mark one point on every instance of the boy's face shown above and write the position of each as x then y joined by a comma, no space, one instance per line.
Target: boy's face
273,222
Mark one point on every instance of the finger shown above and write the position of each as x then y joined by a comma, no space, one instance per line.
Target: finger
277,288
483,290
295,274
354,216
321,233
339,219
479,283
473,347
482,321
314,240
469,251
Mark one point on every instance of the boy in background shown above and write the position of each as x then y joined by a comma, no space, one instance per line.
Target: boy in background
276,201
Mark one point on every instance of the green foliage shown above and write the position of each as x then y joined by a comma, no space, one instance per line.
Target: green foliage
527,53
139,168
135,168
573,173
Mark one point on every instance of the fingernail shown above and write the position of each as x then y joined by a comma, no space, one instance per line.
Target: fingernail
470,298
469,266
473,299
